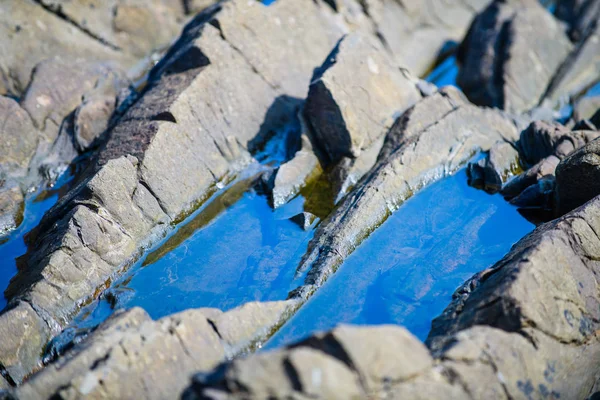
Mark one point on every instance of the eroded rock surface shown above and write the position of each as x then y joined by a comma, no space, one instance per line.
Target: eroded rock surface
511,54
130,354
433,138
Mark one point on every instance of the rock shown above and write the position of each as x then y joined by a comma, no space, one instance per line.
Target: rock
418,32
31,33
519,329
577,177
543,169
542,139
584,125
499,165
221,86
580,16
304,220
596,119
501,57
131,354
11,207
195,6
292,176
91,119
355,96
18,138
425,150
586,107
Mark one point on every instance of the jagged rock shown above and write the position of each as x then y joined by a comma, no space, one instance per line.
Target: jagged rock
521,329
11,206
542,139
292,176
355,96
221,89
304,220
577,177
511,54
543,169
425,150
418,32
580,16
18,138
586,107
131,354
491,172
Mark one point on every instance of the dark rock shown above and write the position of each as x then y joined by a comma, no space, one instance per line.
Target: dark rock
204,103
355,96
304,220
538,195
424,150
580,16
131,354
596,119
578,177
511,54
499,165
542,169
584,125
540,140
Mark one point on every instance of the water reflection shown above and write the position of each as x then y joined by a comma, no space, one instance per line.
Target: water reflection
407,270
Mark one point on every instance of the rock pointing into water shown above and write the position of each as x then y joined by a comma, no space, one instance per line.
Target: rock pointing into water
130,355
431,139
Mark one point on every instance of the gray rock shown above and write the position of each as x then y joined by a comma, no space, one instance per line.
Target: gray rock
541,139
18,138
505,62
426,150
295,174
586,107
355,96
543,169
577,177
131,354
11,206
498,166
222,86
580,16
304,220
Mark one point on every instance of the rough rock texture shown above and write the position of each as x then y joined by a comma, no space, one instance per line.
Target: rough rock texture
220,89
295,174
586,107
417,32
11,206
492,171
577,177
525,328
304,220
18,138
355,96
580,16
511,54
417,151
120,31
130,355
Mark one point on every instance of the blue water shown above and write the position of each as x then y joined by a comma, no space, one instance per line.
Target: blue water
13,243
593,91
233,250
444,74
406,271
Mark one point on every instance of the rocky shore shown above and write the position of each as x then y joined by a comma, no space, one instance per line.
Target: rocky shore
162,103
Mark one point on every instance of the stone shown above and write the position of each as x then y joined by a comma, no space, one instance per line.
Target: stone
11,207
355,96
18,138
221,90
595,119
91,119
586,107
130,353
543,169
505,63
541,140
425,151
195,6
577,177
580,16
304,220
498,166
295,174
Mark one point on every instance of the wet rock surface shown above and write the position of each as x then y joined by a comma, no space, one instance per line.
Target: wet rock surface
131,354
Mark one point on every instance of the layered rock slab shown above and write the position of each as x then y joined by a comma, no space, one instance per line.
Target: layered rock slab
190,127
131,355
505,62
433,138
